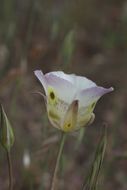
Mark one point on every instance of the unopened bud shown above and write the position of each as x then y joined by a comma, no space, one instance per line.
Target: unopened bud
6,131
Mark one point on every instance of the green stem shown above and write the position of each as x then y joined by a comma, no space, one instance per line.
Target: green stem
62,141
10,171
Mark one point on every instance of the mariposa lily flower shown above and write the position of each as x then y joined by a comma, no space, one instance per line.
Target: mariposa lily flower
70,99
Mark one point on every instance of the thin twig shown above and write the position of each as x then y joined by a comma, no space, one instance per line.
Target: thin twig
10,171
62,141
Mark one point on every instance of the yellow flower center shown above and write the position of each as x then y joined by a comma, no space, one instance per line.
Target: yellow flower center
68,127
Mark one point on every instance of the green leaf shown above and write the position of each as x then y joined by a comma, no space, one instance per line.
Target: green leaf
94,173
6,132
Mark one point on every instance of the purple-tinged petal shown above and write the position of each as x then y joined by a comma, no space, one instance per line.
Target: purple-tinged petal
80,82
90,95
62,75
65,90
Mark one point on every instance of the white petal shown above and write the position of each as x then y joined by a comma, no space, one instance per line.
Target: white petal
91,95
82,83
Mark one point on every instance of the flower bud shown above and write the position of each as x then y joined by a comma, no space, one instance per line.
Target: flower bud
6,132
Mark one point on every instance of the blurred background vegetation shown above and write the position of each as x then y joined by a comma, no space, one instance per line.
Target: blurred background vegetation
85,37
